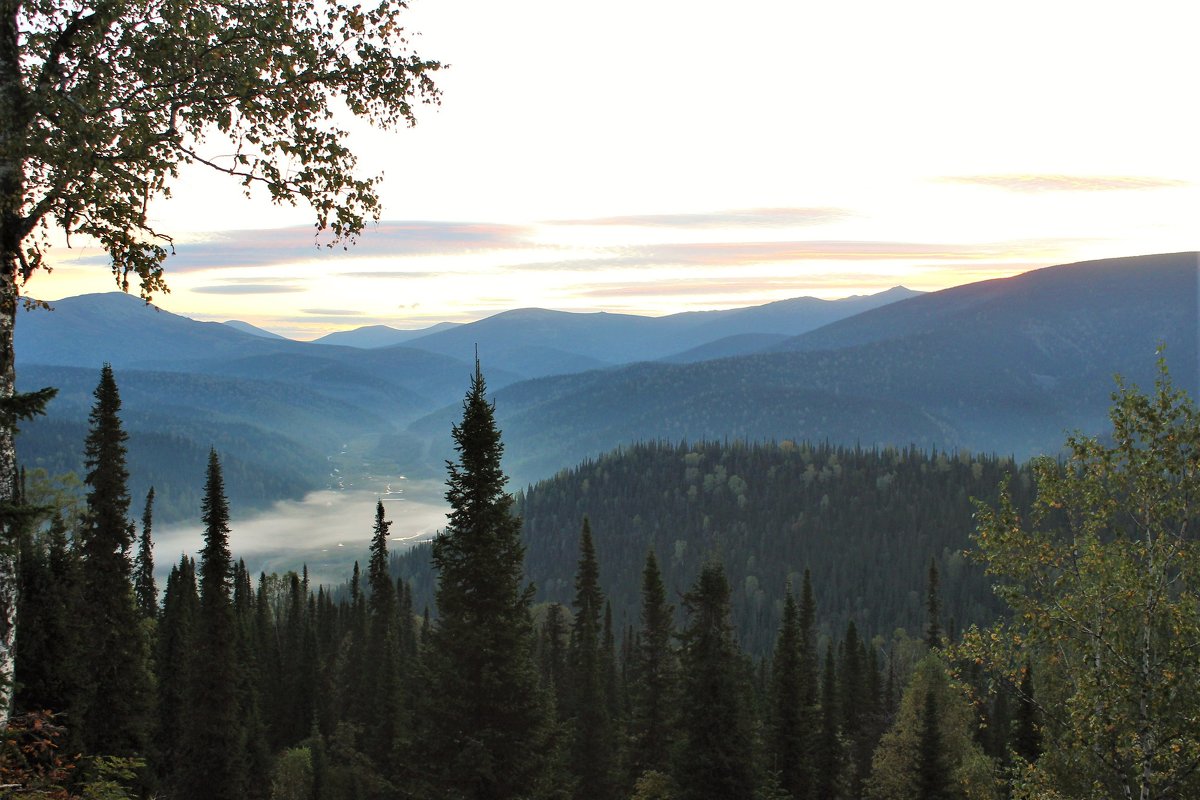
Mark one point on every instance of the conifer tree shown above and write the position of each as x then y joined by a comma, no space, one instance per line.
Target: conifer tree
591,751
486,722
933,781
829,759
175,649
115,708
655,679
552,657
257,756
143,566
857,707
788,742
214,737
383,651
931,749
933,608
714,757
353,679
47,673
609,671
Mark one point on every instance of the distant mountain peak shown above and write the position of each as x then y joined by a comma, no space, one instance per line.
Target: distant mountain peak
253,330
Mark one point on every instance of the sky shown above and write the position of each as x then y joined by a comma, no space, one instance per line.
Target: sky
656,156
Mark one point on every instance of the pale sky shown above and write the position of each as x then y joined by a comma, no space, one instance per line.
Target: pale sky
654,156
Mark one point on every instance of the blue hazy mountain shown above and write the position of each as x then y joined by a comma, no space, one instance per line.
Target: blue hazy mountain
253,330
1007,365
603,338
370,336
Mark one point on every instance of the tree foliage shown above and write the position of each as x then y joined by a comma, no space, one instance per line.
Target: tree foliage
101,103
1104,582
485,728
930,752
105,101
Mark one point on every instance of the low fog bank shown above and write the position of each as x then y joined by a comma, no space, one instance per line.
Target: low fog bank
328,530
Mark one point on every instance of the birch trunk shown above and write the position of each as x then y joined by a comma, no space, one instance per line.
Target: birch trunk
11,199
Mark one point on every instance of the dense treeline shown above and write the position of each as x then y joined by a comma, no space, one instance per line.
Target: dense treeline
235,687
864,523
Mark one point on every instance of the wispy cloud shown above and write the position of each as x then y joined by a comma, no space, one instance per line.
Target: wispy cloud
1033,183
332,312
733,218
249,288
733,253
254,248
391,275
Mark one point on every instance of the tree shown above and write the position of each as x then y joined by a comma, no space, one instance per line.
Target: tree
383,652
114,709
102,103
213,745
789,726
143,577
655,680
933,609
175,649
591,748
930,752
714,756
1104,582
830,758
486,720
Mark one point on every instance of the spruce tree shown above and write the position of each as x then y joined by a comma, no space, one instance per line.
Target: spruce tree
115,707
257,755
714,757
214,737
144,588
47,673
552,658
933,608
352,683
933,779
810,689
591,751
788,745
829,759
485,722
655,680
174,653
383,651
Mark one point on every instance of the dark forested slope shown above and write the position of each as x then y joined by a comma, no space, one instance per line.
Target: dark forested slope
865,522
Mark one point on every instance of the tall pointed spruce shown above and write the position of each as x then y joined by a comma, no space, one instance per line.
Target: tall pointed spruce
175,660
383,652
933,608
714,758
486,721
789,728
115,707
213,739
591,751
143,567
655,680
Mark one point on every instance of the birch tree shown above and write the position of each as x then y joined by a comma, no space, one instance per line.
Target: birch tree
1104,582
103,101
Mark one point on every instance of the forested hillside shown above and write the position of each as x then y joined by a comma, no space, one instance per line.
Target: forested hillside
865,523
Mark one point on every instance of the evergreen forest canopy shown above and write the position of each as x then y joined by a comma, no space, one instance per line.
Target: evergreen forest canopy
648,672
